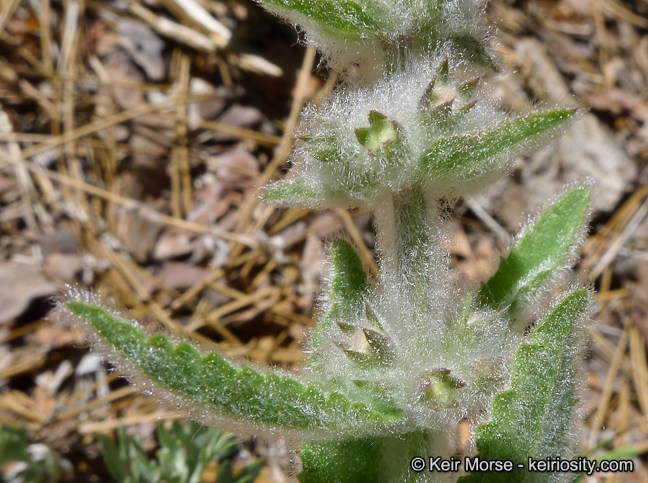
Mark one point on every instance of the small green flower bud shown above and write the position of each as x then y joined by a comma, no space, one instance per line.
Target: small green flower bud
438,389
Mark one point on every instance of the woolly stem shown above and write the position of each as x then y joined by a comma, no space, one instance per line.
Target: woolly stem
400,450
411,258
413,242
381,459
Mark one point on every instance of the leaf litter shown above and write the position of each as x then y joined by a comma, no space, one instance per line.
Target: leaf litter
143,133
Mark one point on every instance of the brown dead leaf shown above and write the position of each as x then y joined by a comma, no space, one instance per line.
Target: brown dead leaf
20,283
237,167
175,243
54,336
211,202
7,184
239,116
62,241
123,72
460,245
63,267
616,101
587,151
638,299
209,108
179,275
138,233
144,46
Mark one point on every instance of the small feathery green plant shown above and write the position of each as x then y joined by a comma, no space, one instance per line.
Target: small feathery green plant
26,462
397,361
184,453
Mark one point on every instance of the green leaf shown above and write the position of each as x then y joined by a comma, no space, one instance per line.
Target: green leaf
381,346
532,419
14,444
368,460
115,457
325,151
296,191
543,249
472,156
219,446
251,471
248,475
127,461
473,50
212,382
291,191
355,461
466,90
37,466
176,461
347,289
349,278
183,454
347,19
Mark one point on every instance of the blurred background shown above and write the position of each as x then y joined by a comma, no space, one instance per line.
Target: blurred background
134,136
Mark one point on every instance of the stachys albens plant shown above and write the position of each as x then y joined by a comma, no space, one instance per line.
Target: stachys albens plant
398,361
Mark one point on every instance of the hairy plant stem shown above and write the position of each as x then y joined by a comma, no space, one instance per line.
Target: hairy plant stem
400,450
410,255
383,458
396,363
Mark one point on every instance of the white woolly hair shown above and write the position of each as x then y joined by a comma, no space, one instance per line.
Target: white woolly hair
424,342
562,276
343,182
395,20
436,340
578,349
182,404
